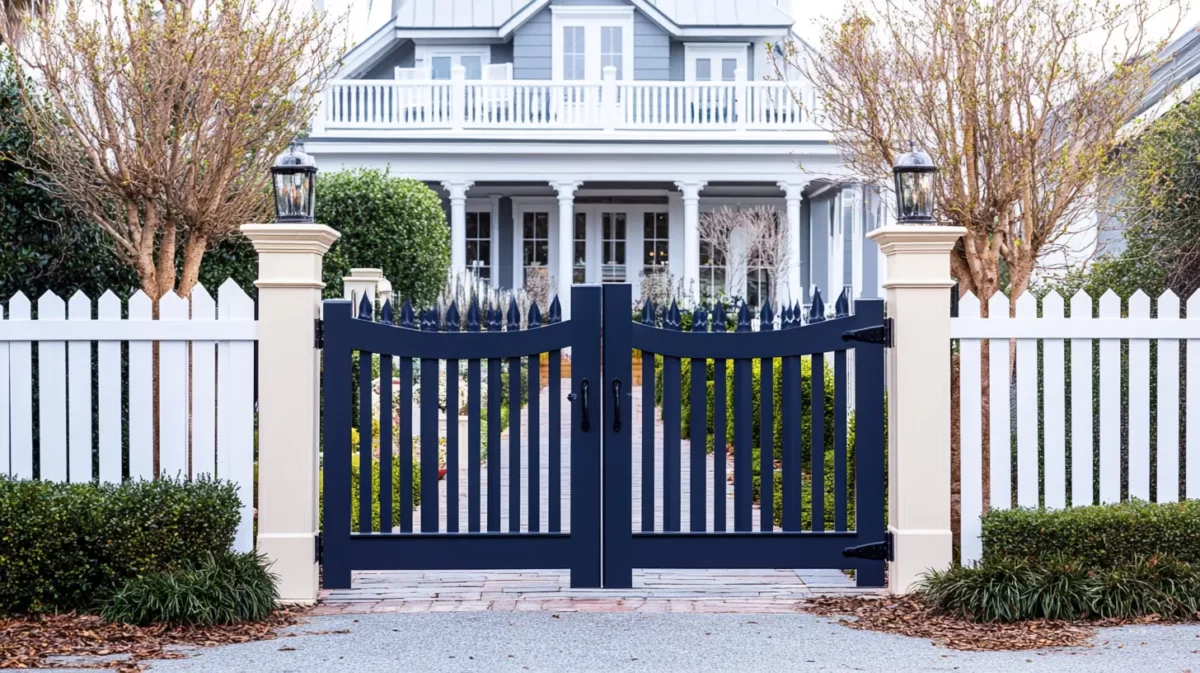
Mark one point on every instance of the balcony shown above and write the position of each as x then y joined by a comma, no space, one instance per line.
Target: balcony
528,109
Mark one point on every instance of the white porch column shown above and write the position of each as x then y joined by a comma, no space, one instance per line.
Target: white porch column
458,223
793,193
289,302
691,234
918,376
566,242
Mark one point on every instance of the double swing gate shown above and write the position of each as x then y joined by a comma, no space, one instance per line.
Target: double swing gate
676,440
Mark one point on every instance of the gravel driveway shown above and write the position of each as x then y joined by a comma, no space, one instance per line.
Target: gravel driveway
613,643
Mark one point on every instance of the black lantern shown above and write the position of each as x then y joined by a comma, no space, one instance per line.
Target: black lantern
915,173
294,176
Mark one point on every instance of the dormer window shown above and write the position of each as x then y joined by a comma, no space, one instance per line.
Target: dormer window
714,61
439,60
588,39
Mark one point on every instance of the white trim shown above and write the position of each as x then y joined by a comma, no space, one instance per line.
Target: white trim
425,52
592,19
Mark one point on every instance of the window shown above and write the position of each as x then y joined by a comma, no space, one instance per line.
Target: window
712,271
579,275
612,50
612,248
440,60
655,239
479,244
760,285
574,54
728,69
535,245
710,62
704,70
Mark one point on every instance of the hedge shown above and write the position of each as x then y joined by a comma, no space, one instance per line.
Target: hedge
354,491
65,546
1099,536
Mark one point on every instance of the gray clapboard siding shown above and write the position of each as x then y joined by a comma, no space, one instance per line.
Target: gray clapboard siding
402,55
651,49
506,243
677,66
532,51
502,53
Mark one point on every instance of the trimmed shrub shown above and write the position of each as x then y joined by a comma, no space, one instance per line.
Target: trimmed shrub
375,473
63,546
217,589
1011,589
389,223
1098,536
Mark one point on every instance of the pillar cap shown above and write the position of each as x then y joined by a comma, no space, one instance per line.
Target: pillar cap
365,273
290,237
896,238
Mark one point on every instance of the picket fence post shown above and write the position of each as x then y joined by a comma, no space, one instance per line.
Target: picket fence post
289,294
918,381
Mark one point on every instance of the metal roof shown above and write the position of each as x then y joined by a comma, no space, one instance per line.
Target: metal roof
495,13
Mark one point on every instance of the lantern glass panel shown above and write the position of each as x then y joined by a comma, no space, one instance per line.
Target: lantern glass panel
915,190
294,196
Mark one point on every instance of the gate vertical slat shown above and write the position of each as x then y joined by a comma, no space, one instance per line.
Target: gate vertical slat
720,438
406,434
494,400
336,365
672,425
743,413
453,441
556,424
766,455
385,431
364,428
586,444
429,431
474,423
533,364
817,448
868,442
616,435
648,399
514,428
699,427
839,440
792,467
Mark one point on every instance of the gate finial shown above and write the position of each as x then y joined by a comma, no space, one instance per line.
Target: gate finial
743,318
555,311
473,315
699,319
514,315
535,316
407,319
766,316
385,315
453,319
841,308
816,312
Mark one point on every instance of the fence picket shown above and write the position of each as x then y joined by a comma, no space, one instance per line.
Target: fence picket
1167,487
1139,403
141,401
21,391
1054,408
5,461
971,437
110,394
1000,408
79,394
1193,403
204,389
173,392
52,395
1027,409
235,415
1110,405
1082,450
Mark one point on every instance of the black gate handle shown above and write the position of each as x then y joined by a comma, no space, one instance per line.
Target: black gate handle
616,388
585,425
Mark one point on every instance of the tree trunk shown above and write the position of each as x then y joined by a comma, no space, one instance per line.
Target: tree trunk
193,252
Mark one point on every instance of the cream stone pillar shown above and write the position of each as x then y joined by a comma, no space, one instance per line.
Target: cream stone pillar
918,380
289,302
458,223
691,234
360,282
793,193
566,243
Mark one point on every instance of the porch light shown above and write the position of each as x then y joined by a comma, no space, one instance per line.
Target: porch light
294,176
915,174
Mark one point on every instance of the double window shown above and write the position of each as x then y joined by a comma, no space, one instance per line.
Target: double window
535,243
714,62
656,235
440,60
479,244
586,40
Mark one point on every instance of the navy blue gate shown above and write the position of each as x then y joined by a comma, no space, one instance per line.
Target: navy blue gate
770,433
807,472
491,346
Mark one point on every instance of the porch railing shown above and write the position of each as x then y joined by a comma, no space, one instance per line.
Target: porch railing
608,105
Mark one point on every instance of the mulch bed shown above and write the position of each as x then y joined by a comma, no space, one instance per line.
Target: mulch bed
914,616
26,643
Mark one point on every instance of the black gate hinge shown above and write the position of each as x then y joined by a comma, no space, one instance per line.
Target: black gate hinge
880,334
876,551
318,548
318,333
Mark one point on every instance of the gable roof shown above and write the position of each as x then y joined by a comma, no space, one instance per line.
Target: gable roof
507,15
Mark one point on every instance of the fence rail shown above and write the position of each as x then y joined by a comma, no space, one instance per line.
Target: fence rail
1040,364
66,407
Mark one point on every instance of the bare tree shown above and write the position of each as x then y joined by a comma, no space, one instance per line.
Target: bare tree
1016,110
748,238
162,117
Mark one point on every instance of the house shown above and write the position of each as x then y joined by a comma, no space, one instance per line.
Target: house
583,139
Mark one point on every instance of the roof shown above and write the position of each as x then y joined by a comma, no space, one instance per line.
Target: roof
1175,65
680,13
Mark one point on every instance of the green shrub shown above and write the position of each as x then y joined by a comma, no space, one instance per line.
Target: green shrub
1011,589
355,490
1099,536
217,589
63,546
389,223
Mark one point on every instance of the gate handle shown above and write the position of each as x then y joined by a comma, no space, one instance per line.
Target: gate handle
616,388
583,389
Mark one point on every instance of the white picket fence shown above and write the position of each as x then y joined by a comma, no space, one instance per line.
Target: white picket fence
206,391
1014,403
